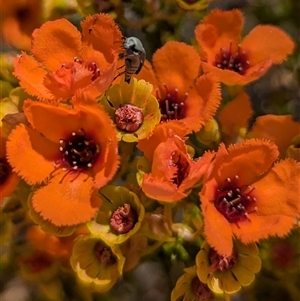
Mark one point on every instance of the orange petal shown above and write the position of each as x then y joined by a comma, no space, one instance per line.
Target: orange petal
262,227
53,122
65,200
217,230
107,74
230,77
176,64
202,102
31,155
160,189
248,160
160,134
217,30
98,125
278,193
279,129
267,42
102,34
31,76
241,107
197,170
56,42
162,165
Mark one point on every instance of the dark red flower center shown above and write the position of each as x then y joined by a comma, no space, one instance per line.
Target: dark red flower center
79,151
129,118
104,255
123,219
236,61
234,201
5,170
183,168
221,263
201,290
171,106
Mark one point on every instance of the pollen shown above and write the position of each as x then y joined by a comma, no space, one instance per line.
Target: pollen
129,118
221,263
171,105
123,219
234,202
78,151
236,61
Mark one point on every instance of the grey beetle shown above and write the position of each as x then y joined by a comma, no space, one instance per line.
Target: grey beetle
134,55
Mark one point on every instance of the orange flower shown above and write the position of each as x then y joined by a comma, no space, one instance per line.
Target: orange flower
65,61
183,96
237,62
8,179
282,130
245,196
173,171
234,129
71,152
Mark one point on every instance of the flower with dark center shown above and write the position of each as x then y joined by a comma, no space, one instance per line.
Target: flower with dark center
189,287
70,62
123,219
133,108
129,118
119,217
72,152
227,274
184,97
97,264
173,172
104,255
245,60
245,195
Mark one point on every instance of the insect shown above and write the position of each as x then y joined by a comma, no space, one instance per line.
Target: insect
134,55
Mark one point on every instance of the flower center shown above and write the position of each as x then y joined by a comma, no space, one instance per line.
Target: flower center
4,170
235,61
221,263
92,67
233,201
104,255
201,290
171,106
123,219
183,168
79,152
129,118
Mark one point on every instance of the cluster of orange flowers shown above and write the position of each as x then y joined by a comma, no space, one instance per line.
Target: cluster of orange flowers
126,159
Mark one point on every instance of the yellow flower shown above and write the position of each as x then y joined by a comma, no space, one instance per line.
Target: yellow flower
133,108
119,217
97,265
228,273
